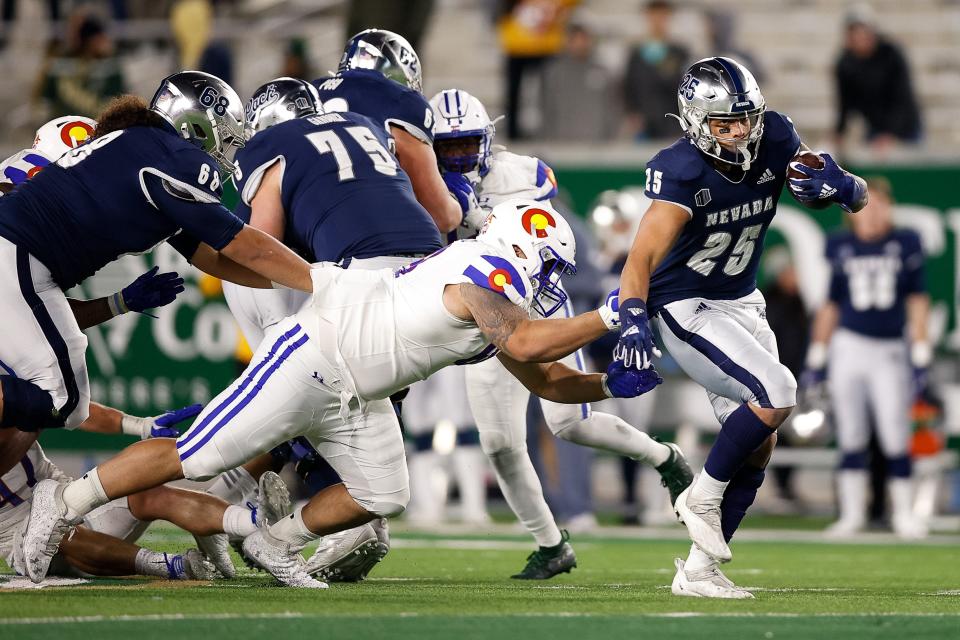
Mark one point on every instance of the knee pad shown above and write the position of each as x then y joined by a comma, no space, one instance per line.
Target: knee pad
27,407
384,506
495,442
561,417
782,389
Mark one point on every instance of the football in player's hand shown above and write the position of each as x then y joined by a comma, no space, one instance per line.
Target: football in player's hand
809,159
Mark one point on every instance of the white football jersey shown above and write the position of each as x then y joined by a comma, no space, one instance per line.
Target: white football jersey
392,328
515,176
16,485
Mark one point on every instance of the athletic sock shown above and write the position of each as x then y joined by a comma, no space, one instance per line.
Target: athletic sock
239,522
708,489
155,563
522,490
697,559
610,433
742,433
292,530
740,494
236,486
83,495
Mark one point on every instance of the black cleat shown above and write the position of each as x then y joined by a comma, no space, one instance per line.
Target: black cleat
546,562
675,473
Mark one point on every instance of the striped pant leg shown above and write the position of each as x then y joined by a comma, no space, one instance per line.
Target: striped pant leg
256,310
273,400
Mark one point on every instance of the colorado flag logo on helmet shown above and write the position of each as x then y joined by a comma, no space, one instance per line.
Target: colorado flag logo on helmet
536,221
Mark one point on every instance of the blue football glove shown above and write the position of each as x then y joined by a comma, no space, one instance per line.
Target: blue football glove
636,347
164,425
829,183
621,382
461,189
149,291
610,310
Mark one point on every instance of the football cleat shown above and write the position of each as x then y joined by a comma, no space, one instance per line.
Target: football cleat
281,559
196,567
675,473
348,556
845,528
217,551
706,583
703,524
45,528
908,527
273,499
546,562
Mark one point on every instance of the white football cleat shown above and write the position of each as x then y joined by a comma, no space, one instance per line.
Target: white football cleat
217,550
273,499
706,583
281,559
909,527
197,567
845,528
348,556
45,528
703,525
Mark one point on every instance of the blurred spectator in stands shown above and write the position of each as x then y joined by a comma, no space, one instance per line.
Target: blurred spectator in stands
721,34
192,24
873,80
408,18
790,322
578,97
82,75
653,74
530,32
296,60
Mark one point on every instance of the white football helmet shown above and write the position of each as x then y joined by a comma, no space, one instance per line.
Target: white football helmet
457,115
63,134
542,242
614,218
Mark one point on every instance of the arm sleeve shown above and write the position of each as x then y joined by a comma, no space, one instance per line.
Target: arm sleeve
184,244
197,213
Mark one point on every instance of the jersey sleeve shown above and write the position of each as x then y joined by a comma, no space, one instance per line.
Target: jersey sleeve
779,130
413,114
913,264
254,160
837,292
545,181
667,180
198,213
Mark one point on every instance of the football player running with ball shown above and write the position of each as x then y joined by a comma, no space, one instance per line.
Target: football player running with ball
482,178
692,269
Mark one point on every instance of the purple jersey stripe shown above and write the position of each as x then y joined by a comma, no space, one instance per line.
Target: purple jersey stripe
243,403
8,496
28,470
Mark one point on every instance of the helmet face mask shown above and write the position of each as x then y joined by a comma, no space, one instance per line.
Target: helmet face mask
460,117
542,243
386,52
719,89
204,110
278,101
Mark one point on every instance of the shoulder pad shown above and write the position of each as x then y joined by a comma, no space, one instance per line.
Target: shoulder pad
494,272
546,181
682,159
777,127
22,166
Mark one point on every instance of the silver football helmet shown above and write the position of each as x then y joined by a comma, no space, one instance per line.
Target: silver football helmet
721,89
386,52
205,110
278,101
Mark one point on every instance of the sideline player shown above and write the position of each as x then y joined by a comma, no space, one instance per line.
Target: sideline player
150,174
328,371
877,292
478,174
692,268
379,76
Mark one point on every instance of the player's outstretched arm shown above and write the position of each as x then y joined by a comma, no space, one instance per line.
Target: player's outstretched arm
509,328
254,259
557,382
658,230
419,162
149,291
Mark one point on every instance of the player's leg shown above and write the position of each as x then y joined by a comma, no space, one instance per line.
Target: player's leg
244,420
890,389
499,405
718,344
365,448
851,367
42,349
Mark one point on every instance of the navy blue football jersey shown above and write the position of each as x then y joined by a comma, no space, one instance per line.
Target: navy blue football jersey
123,193
343,192
870,281
717,254
384,101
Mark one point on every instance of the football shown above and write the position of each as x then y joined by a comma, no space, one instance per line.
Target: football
810,159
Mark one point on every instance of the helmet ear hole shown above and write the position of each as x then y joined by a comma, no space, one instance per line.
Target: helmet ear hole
198,132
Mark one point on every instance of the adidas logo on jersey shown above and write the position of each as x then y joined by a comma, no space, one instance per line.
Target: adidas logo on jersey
701,308
826,191
766,177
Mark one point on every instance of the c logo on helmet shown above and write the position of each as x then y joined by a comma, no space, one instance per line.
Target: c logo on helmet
75,133
499,278
536,221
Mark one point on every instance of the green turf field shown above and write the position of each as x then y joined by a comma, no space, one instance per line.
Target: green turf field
457,587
